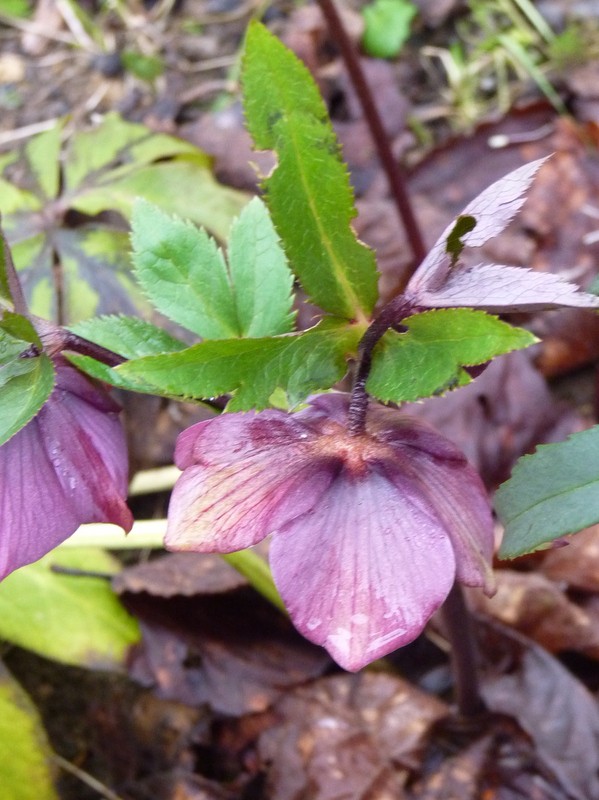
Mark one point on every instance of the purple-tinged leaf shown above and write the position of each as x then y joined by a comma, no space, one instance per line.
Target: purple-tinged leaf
369,531
442,282
66,467
498,288
492,209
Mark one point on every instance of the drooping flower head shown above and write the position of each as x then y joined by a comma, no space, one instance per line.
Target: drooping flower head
65,467
370,531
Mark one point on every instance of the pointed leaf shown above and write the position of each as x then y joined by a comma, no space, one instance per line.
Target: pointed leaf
430,357
494,287
43,154
25,769
96,273
130,337
183,272
72,619
104,169
5,294
493,209
25,385
252,368
116,142
260,275
183,186
551,493
308,194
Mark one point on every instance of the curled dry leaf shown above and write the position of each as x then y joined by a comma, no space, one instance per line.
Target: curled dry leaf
538,608
577,565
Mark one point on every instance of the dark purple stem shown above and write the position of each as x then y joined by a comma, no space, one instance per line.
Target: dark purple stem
14,284
392,168
56,339
391,314
86,348
464,657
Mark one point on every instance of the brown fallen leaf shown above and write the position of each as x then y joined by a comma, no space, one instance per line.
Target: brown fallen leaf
576,565
347,737
537,607
562,718
213,641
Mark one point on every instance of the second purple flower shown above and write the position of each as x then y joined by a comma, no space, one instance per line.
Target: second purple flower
370,531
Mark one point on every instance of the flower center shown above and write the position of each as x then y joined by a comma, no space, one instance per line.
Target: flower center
355,452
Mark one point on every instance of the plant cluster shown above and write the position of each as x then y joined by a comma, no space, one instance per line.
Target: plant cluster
374,516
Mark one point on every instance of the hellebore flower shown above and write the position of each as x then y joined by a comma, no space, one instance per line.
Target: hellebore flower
65,467
370,531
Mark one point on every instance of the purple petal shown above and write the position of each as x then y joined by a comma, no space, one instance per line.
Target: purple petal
364,570
433,466
68,466
245,475
232,437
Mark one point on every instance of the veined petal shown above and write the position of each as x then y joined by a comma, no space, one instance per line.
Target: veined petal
235,505
456,493
66,467
364,570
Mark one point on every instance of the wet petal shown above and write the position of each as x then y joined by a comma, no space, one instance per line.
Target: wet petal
234,494
364,570
456,493
233,437
68,466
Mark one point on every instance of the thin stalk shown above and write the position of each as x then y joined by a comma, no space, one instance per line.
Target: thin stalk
56,339
464,656
395,310
393,170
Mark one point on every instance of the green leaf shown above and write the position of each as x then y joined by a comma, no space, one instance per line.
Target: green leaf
73,619
454,245
19,327
147,68
253,567
430,357
104,170
114,148
387,26
181,186
252,368
184,273
25,768
130,337
15,8
5,294
309,193
95,273
553,492
25,385
43,154
262,281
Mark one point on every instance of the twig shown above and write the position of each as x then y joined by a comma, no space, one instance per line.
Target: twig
85,778
392,168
